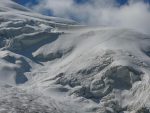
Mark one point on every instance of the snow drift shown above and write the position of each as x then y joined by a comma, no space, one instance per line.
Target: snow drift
55,65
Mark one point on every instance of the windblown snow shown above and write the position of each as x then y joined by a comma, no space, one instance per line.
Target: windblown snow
55,65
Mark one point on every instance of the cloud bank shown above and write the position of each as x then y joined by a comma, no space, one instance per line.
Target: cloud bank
134,15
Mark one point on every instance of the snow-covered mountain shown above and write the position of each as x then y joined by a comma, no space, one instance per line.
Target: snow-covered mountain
55,65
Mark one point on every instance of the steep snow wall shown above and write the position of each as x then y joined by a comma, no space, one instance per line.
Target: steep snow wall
55,65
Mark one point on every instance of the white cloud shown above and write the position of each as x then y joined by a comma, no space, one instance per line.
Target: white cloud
135,15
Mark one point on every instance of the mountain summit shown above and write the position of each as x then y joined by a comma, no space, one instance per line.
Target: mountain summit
56,65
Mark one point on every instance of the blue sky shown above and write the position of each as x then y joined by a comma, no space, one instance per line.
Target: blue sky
134,14
23,2
31,3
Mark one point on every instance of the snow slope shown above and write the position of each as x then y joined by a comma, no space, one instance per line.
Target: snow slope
55,65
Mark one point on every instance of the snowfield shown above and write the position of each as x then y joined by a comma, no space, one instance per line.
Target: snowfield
55,65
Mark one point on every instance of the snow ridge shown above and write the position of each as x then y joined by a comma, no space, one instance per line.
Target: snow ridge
50,64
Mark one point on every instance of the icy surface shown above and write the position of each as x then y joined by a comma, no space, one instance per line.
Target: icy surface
55,65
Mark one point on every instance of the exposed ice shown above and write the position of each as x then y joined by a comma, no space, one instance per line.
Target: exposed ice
55,65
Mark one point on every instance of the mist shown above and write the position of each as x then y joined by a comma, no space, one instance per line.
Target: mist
133,15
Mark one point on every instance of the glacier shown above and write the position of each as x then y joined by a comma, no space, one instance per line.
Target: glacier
55,65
